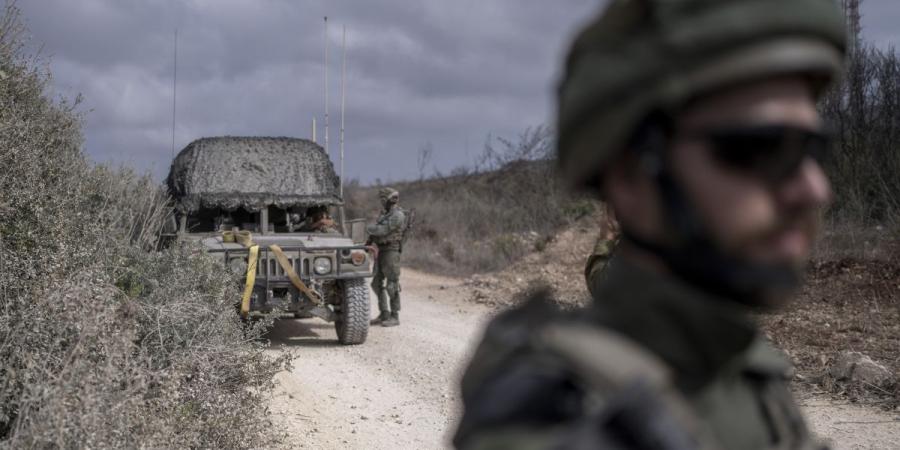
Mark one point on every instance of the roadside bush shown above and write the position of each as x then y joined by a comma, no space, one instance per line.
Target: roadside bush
102,343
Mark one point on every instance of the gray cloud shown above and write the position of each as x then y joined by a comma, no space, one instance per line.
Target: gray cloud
430,72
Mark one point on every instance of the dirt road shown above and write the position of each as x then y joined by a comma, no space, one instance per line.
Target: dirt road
399,389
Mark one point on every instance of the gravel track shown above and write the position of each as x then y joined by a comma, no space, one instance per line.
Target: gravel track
399,389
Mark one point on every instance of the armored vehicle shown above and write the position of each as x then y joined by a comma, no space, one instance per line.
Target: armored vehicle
264,205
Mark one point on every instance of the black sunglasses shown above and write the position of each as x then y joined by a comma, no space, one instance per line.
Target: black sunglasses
770,152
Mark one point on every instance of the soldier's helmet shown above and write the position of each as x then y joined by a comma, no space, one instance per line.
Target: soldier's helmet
387,194
640,57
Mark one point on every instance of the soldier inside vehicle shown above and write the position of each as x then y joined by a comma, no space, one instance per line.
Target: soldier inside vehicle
302,220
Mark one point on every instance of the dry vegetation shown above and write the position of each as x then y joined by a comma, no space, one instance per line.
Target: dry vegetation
104,344
513,227
486,218
864,113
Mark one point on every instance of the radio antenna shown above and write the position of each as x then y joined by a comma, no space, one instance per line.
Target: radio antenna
343,72
174,89
326,86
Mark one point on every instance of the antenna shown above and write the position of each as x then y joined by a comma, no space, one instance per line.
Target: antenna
314,130
343,71
326,86
174,90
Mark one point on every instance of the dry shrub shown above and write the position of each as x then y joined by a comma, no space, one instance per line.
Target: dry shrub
102,343
864,112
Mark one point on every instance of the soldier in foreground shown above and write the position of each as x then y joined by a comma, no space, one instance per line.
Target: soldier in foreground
387,234
696,121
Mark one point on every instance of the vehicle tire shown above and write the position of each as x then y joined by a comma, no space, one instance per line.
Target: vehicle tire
352,324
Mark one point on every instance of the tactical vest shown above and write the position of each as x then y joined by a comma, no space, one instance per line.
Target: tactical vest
391,240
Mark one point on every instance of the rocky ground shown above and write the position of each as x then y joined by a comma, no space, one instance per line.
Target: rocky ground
843,330
399,390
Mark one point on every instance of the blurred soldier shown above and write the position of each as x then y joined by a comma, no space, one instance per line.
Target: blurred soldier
318,221
387,234
696,121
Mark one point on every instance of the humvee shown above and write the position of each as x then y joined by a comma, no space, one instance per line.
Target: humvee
249,200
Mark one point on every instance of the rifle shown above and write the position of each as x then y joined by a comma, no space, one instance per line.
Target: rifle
407,227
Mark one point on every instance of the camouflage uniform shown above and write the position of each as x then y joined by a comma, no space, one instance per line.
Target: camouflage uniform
603,250
387,234
598,261
663,359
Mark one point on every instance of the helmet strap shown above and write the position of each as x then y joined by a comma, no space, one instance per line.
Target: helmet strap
692,255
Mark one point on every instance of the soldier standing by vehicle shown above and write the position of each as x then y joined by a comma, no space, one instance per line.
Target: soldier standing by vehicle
387,234
696,120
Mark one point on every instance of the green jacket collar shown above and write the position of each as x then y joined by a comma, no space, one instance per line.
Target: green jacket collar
696,333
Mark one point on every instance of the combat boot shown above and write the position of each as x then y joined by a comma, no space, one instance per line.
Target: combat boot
392,321
383,317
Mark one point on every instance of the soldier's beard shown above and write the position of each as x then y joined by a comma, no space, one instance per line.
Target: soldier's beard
703,264
804,224
764,278
761,271
787,242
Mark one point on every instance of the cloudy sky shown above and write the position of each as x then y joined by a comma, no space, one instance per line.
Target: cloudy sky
442,74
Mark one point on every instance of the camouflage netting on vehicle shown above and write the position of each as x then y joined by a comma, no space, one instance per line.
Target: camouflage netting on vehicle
252,172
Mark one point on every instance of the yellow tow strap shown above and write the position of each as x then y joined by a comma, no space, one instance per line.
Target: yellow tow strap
295,280
252,260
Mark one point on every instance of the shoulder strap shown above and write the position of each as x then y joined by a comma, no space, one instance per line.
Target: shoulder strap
631,388
605,359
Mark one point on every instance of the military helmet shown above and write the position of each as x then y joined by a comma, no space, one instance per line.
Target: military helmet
639,57
387,193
